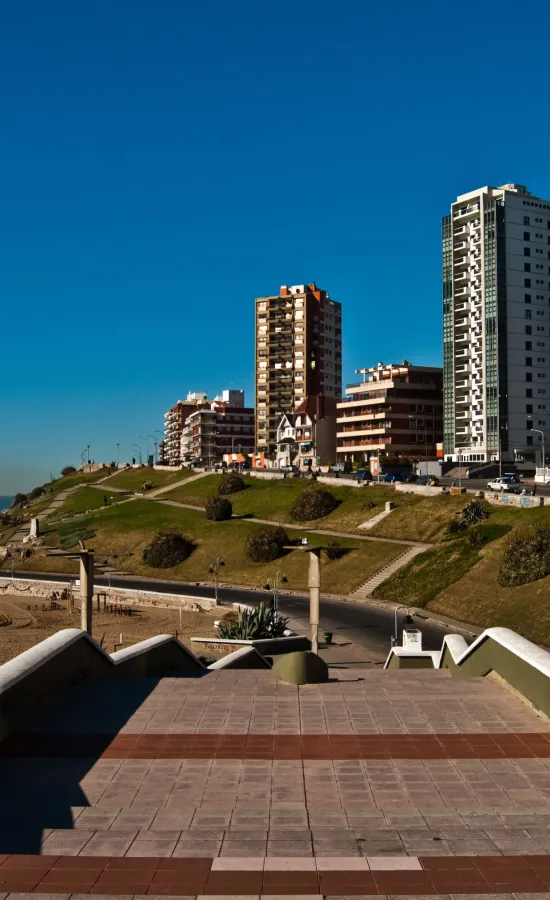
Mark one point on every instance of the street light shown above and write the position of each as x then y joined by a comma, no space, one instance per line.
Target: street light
215,568
138,450
282,580
407,621
142,437
538,430
155,442
117,455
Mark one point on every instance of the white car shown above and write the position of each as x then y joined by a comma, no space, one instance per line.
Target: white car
503,484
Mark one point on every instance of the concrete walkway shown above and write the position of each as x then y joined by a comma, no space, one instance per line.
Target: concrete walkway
365,590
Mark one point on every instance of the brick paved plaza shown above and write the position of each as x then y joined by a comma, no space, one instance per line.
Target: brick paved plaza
385,784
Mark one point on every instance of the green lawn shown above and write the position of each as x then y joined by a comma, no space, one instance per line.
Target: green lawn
416,518
125,530
86,498
52,488
133,479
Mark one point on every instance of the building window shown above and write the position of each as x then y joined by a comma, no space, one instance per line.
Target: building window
527,251
527,298
529,392
528,376
527,315
526,237
528,360
529,441
526,220
528,407
529,425
528,329
526,267
528,345
527,282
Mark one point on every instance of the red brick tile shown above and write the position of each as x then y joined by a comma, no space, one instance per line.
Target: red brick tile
447,863
185,864
132,863
80,862
28,861
234,883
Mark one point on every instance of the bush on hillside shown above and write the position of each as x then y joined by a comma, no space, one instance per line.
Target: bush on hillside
36,492
266,544
231,484
313,503
167,549
526,557
19,500
9,521
473,513
334,549
218,509
68,470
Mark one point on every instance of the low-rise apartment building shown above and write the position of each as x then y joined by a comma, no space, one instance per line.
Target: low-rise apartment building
224,426
396,410
307,436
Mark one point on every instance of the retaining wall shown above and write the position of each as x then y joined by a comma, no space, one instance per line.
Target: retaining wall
127,596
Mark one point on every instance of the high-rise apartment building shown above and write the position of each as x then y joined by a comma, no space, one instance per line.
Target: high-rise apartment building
496,325
298,353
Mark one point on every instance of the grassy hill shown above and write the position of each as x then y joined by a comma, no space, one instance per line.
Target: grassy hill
416,518
126,529
133,479
459,581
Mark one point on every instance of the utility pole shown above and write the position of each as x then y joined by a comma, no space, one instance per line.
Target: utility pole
314,585
86,589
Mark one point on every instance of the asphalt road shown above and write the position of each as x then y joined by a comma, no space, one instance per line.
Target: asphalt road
369,627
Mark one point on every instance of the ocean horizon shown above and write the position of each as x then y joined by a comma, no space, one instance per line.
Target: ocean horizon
5,502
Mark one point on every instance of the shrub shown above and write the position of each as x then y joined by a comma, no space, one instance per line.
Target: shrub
68,470
526,557
19,500
36,492
456,525
266,544
313,503
167,549
9,521
254,624
218,509
231,484
475,539
474,512
334,550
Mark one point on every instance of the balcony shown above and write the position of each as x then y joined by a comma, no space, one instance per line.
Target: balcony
460,246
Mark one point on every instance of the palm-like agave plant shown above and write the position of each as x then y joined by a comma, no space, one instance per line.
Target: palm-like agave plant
254,624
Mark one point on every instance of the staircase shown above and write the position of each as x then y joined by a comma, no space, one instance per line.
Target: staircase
365,590
378,518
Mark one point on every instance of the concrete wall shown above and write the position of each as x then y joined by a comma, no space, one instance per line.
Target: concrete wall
125,596
29,680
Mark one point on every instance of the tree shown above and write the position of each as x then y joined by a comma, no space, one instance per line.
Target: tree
231,484
266,544
313,503
218,509
19,500
68,470
167,549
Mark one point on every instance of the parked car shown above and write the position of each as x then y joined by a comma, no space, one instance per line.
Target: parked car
342,468
505,483
411,478
363,475
391,479
288,467
431,480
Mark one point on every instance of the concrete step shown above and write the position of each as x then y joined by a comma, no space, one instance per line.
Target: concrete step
366,589
170,487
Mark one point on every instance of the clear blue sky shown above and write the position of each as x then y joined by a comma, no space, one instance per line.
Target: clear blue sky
165,162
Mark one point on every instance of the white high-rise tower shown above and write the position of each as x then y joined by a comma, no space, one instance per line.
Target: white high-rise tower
496,334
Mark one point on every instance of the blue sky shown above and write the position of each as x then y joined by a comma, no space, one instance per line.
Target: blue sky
164,163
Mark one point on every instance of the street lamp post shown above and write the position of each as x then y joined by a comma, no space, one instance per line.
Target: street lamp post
155,444
139,451
117,455
538,430
408,616
276,588
215,568
142,437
